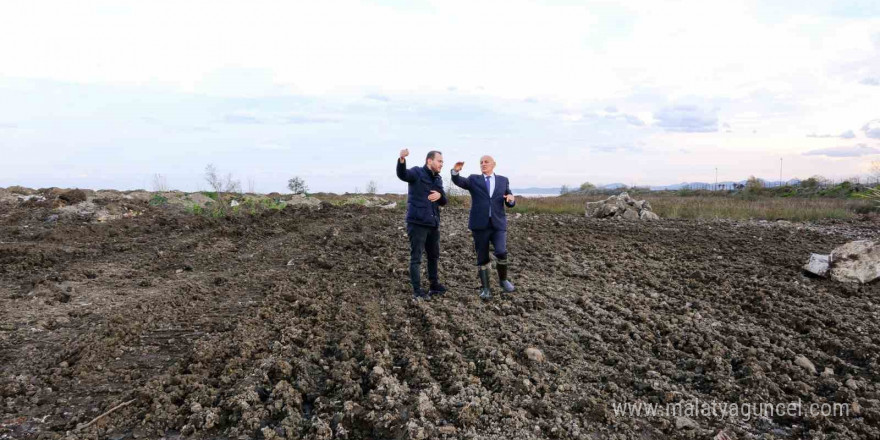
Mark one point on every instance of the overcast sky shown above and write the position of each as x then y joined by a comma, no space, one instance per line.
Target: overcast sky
106,94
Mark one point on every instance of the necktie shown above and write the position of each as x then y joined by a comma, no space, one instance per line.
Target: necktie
489,190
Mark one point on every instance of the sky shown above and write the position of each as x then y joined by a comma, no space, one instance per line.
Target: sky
107,94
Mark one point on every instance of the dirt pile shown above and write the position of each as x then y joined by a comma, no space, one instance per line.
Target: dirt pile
621,206
108,205
303,201
371,202
299,323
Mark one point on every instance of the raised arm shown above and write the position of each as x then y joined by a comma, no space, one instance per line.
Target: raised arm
403,173
459,181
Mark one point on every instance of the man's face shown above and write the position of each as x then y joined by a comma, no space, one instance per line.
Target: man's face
435,164
487,165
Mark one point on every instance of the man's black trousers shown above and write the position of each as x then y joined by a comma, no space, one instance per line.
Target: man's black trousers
482,238
423,239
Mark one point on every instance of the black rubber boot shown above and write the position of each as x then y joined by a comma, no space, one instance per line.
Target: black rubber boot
415,278
506,285
437,289
485,292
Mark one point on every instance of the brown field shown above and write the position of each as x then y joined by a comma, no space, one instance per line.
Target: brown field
298,323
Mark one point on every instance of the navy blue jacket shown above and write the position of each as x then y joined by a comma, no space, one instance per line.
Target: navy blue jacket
481,200
420,210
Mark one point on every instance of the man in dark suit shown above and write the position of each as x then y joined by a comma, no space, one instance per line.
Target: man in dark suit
490,193
425,195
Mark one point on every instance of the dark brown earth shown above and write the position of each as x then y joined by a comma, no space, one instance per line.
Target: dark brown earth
206,329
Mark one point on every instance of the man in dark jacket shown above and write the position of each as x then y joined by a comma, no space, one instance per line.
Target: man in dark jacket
490,193
424,198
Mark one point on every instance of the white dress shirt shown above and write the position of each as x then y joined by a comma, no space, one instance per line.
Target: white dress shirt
491,183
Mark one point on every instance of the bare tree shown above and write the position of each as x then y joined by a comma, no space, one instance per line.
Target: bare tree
251,185
875,169
372,187
453,190
160,184
297,185
564,190
221,185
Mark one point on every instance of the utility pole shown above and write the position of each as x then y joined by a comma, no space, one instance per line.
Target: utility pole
780,171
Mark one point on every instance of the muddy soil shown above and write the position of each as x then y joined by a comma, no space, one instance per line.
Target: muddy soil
300,324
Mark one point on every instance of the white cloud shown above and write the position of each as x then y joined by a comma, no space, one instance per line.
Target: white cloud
330,79
857,150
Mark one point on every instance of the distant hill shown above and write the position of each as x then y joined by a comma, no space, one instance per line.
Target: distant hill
672,187
534,190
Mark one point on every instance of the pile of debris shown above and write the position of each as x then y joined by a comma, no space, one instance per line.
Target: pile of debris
371,202
855,262
621,206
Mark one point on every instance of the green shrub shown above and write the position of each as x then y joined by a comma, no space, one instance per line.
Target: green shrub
158,200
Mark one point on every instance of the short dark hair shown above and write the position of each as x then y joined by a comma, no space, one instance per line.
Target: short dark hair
431,154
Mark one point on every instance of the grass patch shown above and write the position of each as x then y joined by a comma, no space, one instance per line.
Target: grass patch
716,206
158,200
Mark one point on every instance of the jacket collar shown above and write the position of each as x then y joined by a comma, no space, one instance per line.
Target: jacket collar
428,170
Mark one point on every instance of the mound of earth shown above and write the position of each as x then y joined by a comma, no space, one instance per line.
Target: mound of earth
299,323
621,206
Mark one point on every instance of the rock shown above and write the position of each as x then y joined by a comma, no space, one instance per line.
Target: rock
607,210
828,372
630,214
805,363
622,206
302,201
648,215
818,265
234,203
856,261
52,218
852,384
686,423
592,208
535,355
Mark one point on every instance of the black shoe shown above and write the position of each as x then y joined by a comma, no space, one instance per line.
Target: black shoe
420,294
485,292
437,289
506,285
